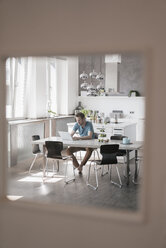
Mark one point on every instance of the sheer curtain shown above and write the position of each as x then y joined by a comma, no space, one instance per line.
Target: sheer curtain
52,103
31,85
38,84
12,86
30,88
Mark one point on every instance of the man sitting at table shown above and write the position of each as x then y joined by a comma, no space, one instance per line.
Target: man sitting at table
86,132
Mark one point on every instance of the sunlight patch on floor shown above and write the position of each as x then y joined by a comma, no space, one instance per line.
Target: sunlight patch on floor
38,178
14,197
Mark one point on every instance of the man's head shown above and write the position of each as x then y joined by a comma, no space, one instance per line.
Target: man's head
80,118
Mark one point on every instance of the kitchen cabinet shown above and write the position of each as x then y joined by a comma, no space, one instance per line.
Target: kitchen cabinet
127,129
20,134
140,130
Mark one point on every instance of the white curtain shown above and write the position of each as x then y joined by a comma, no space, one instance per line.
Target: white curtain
33,84
12,84
30,89
21,87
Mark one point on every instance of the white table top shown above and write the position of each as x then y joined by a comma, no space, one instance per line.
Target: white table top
93,143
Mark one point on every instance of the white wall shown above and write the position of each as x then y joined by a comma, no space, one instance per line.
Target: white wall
108,104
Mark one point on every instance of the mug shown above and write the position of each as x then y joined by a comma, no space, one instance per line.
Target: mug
126,140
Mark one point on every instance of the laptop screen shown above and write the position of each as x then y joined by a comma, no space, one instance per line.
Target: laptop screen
65,135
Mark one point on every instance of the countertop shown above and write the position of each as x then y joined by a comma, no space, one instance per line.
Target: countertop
102,125
24,121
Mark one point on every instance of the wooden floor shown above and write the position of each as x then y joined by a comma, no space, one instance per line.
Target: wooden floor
54,190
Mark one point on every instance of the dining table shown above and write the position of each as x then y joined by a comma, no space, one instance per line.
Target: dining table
95,144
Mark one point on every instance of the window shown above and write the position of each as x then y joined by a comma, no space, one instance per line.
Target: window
52,102
27,78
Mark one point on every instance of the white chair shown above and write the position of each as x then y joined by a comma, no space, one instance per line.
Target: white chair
35,151
54,151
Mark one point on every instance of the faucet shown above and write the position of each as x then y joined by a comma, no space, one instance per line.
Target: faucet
116,118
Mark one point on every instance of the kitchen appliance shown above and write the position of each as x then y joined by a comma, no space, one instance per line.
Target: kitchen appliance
115,115
118,113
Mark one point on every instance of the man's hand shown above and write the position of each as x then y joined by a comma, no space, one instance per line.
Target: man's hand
76,138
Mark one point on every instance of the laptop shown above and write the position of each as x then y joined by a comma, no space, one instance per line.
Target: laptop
65,135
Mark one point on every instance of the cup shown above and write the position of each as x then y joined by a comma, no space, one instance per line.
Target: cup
125,140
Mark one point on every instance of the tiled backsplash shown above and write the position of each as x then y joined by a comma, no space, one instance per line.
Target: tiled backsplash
132,107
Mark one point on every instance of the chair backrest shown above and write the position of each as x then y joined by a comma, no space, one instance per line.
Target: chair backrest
54,149
96,135
35,147
109,153
117,137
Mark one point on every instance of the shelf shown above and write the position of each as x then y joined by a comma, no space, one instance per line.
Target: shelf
111,97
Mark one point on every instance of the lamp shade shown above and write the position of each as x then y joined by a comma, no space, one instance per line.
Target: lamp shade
100,77
93,74
84,76
84,86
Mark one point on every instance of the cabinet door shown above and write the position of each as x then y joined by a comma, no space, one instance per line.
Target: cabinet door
140,130
118,131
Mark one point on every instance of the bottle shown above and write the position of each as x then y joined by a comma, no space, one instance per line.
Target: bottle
78,108
116,119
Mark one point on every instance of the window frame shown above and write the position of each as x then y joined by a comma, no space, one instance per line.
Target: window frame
126,216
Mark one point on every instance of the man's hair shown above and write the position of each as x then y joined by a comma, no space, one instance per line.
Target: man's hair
81,115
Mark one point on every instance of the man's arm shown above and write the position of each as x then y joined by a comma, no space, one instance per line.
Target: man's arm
89,136
72,133
74,130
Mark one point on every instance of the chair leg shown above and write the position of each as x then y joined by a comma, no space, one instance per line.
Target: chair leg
98,154
94,154
67,179
102,171
54,171
125,172
96,176
33,162
46,165
113,182
136,180
57,166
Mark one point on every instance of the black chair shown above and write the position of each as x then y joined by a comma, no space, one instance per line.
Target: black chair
94,153
121,155
35,151
109,157
54,151
119,137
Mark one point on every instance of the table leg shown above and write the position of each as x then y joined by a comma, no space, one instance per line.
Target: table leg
44,160
136,168
128,167
136,163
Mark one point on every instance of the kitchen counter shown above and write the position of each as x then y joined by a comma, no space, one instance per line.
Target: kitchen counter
124,128
31,120
102,125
